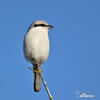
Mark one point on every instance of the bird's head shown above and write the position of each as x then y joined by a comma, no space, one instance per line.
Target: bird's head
40,24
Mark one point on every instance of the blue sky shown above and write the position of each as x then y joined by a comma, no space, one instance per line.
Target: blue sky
74,61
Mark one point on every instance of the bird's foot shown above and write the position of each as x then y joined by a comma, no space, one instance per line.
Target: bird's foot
36,71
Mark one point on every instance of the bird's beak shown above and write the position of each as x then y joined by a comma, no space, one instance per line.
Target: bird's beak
49,26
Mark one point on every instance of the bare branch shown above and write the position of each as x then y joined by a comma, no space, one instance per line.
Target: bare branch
48,92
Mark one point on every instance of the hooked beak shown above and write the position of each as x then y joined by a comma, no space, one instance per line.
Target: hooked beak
49,26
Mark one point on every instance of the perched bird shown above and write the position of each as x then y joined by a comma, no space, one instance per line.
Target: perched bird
36,48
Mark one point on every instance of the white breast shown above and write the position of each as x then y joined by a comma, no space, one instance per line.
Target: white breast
36,44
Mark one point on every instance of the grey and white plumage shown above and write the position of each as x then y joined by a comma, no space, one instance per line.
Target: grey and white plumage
36,46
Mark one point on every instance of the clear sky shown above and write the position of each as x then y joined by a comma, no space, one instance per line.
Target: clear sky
74,61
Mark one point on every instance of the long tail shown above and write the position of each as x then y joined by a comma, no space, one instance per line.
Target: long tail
37,82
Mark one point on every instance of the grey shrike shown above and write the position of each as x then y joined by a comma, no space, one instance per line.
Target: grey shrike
36,48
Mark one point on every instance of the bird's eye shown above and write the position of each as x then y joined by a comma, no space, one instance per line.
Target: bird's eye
42,25
35,25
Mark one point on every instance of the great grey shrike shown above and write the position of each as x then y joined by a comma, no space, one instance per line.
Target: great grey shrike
36,47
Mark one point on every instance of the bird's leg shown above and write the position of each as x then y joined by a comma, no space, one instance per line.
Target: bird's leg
37,71
37,66
34,70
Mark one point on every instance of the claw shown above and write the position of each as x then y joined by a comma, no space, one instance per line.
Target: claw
37,71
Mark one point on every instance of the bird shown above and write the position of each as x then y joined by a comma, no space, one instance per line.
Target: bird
36,48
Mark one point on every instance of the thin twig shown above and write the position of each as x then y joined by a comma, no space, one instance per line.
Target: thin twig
49,94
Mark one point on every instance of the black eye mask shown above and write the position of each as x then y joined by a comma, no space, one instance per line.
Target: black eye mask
42,25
